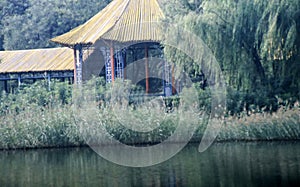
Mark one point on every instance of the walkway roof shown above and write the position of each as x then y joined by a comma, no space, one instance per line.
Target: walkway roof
37,60
122,21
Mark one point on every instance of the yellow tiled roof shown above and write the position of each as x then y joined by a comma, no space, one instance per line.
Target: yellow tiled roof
36,60
121,20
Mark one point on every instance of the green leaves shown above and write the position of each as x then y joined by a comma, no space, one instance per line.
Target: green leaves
29,24
255,42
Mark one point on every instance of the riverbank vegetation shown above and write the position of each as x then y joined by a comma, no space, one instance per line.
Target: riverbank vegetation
36,117
256,43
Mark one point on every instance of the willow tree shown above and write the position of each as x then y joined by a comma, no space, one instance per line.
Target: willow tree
256,42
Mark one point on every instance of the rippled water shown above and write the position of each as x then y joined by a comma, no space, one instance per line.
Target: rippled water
224,164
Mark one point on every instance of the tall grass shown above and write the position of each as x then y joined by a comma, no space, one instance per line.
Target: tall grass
35,127
281,125
36,117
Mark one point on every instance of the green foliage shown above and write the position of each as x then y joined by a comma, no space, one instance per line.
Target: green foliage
9,8
30,24
255,42
37,117
282,125
39,94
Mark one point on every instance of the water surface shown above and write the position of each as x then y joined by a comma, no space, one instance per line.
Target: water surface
224,164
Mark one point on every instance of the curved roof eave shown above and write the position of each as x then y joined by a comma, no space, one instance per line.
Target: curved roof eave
121,20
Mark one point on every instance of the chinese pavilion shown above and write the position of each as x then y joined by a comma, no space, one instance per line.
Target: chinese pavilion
124,28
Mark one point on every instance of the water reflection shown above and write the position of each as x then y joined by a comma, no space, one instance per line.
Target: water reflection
226,164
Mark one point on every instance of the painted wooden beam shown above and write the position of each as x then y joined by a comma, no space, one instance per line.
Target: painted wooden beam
49,81
107,58
75,64
36,75
79,67
78,59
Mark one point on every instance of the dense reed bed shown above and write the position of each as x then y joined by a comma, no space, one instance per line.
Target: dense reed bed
36,117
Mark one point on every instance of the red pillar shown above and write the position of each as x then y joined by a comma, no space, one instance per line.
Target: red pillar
125,73
173,80
147,69
112,61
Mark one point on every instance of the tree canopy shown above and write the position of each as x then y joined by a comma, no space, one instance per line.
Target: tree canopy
27,24
256,43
